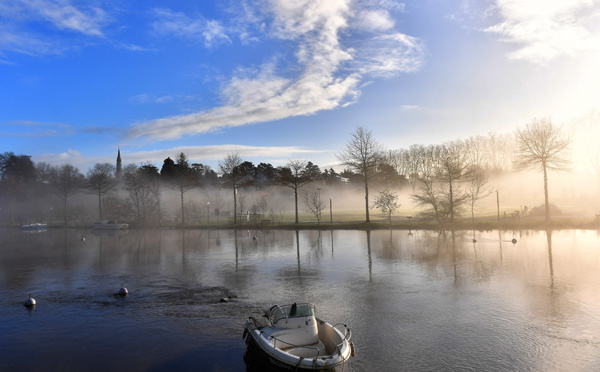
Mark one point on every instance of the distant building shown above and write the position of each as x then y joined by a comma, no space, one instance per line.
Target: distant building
119,173
342,179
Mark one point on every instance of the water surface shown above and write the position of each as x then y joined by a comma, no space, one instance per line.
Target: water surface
415,300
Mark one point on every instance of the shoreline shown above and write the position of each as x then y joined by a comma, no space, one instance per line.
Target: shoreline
483,225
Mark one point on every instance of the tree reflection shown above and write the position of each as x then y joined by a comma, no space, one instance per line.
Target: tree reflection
369,255
550,265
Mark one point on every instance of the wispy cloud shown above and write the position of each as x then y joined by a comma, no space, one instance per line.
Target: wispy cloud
51,15
146,98
545,30
218,152
211,32
22,42
338,45
205,154
34,129
71,156
101,130
87,20
409,107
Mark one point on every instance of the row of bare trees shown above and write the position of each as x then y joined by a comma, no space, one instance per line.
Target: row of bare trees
446,179
449,177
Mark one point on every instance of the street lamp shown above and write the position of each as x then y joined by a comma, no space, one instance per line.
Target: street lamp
207,213
330,210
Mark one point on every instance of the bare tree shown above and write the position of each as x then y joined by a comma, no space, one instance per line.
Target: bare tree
497,151
477,188
544,147
442,172
430,198
141,196
452,171
100,180
217,201
387,203
296,174
362,154
314,204
261,205
241,204
65,181
232,176
475,150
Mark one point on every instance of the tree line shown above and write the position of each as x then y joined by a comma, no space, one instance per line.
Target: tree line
445,179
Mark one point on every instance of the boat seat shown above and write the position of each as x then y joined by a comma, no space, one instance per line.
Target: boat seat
308,351
300,331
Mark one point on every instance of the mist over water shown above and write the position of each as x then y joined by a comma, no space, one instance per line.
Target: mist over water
415,300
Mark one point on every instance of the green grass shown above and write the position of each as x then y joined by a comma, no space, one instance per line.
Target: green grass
355,220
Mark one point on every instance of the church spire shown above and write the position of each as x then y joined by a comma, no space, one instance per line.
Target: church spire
119,165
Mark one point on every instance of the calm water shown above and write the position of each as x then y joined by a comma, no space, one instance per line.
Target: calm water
419,301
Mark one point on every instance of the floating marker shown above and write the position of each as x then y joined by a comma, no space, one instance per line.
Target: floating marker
474,240
123,291
514,241
30,302
83,239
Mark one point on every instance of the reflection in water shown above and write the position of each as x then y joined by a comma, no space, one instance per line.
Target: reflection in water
424,301
369,255
549,237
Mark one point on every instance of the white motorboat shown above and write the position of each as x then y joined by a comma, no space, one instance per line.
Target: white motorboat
290,337
109,225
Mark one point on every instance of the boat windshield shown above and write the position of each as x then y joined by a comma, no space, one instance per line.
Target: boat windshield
291,311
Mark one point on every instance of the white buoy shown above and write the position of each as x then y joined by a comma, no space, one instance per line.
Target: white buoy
30,301
123,291
83,239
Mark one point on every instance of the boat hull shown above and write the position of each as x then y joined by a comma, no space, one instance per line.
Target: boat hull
261,352
34,227
102,225
257,359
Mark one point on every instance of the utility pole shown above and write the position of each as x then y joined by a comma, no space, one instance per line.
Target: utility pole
498,203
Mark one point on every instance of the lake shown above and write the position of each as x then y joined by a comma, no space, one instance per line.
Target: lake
414,300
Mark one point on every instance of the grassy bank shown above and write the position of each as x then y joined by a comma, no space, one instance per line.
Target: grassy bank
355,220
480,225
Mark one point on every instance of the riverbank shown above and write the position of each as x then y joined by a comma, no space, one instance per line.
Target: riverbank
375,224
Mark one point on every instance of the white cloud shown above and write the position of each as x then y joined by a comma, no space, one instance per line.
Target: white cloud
145,98
52,14
204,154
24,128
328,72
211,32
26,43
375,20
409,107
547,29
70,157
390,54
66,16
214,153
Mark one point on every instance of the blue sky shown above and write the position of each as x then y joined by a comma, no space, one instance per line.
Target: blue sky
275,80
